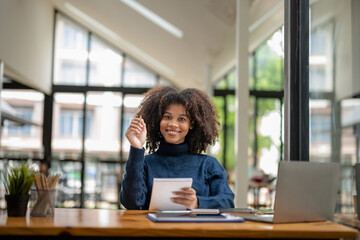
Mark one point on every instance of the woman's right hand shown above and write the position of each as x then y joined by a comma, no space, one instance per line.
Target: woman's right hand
136,133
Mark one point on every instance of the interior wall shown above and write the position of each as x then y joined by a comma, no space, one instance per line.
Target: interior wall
26,29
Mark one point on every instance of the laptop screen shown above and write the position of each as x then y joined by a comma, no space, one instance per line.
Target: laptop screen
306,191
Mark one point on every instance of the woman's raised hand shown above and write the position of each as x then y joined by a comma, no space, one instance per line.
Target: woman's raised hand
136,133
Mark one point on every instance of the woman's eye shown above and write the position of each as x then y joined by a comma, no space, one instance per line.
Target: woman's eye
166,117
182,119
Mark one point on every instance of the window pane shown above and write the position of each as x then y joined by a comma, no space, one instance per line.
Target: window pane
320,130
225,107
350,149
25,113
221,85
102,184
269,64
105,64
251,134
22,131
67,125
218,149
334,90
69,185
70,53
102,141
251,72
131,103
268,135
231,78
321,57
137,76
230,132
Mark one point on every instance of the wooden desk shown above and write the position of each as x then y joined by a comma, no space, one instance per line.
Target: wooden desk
349,219
120,223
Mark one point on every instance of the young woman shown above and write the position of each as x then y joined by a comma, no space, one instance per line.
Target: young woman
177,128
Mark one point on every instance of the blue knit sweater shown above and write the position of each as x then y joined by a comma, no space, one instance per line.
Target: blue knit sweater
174,161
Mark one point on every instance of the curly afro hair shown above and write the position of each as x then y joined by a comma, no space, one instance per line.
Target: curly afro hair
200,109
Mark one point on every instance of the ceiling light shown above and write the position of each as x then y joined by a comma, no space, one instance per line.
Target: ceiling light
154,18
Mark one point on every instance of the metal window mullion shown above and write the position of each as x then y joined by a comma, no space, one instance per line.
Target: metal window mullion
47,128
122,81
82,195
296,80
255,146
82,158
122,110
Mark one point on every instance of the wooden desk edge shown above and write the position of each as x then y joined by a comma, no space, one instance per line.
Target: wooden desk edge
135,224
116,232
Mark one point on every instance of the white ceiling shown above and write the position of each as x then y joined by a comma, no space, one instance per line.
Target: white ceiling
208,27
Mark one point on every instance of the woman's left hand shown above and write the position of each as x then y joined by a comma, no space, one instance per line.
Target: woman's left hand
186,197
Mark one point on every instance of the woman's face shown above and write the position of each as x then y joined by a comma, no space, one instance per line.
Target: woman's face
175,124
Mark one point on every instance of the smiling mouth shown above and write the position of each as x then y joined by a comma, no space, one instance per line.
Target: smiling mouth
172,132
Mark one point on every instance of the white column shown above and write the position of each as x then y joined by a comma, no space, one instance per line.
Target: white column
242,102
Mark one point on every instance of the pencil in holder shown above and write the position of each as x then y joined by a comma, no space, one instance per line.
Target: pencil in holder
44,202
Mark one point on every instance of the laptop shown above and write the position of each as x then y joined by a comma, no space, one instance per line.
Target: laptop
305,192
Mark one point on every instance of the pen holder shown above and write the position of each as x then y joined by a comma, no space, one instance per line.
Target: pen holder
44,203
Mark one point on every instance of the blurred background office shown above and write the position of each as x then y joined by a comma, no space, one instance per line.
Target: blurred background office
74,72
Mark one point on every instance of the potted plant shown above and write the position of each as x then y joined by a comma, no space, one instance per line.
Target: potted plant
18,181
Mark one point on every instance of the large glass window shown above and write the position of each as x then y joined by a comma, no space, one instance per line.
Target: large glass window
265,120
95,81
334,91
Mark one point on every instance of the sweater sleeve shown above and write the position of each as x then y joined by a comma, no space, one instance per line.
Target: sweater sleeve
133,186
221,195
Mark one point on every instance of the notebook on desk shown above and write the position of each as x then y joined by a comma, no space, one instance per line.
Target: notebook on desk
162,192
305,192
